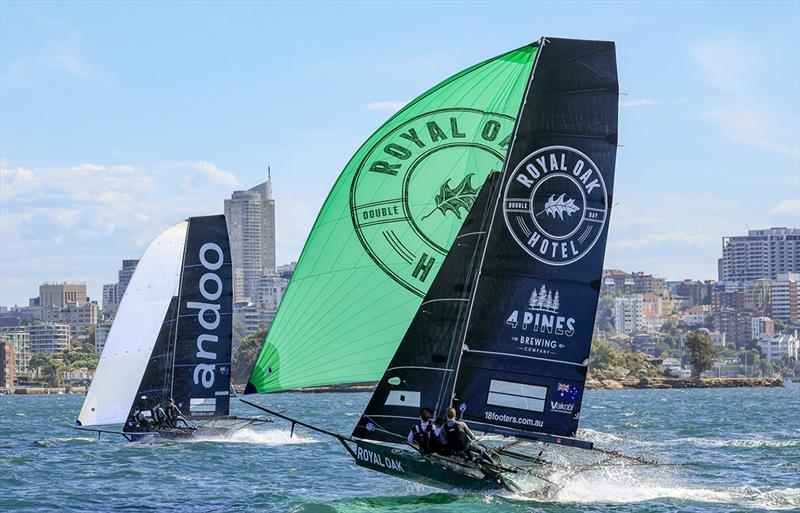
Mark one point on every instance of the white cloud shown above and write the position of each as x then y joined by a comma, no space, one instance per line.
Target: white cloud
742,106
791,206
216,175
390,105
641,102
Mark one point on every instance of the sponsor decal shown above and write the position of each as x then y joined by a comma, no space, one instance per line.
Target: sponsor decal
378,460
210,286
539,326
570,392
409,195
555,205
511,419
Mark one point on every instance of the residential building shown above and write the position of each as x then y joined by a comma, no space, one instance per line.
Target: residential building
718,339
250,216
696,292
760,254
615,282
761,327
784,300
647,283
629,313
725,299
250,317
758,296
6,363
49,338
22,346
101,332
695,316
646,342
777,346
124,277
735,324
269,289
287,270
110,296
77,316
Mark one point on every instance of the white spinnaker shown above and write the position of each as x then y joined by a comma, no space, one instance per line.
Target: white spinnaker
133,334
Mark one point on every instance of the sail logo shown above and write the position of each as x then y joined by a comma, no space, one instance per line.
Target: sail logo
542,317
559,407
416,184
555,205
210,286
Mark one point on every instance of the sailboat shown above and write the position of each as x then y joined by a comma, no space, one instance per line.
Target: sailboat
502,329
171,339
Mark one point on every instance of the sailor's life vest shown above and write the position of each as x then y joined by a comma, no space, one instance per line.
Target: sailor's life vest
421,436
457,440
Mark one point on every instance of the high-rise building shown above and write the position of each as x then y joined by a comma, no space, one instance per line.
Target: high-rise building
758,296
100,336
761,326
629,313
760,254
784,300
250,216
49,338
110,296
124,277
647,283
737,325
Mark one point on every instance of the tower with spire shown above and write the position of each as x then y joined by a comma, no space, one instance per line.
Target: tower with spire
251,226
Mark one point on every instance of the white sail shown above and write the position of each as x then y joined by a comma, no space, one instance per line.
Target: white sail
136,326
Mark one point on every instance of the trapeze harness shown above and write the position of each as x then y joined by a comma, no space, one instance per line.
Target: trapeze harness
422,437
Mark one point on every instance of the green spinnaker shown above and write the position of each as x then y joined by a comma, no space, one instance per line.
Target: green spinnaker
386,226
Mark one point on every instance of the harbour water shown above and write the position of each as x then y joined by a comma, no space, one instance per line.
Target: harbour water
737,450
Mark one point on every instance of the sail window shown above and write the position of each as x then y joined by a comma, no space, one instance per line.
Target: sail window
516,395
403,398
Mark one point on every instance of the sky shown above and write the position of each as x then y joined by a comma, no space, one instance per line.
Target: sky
118,120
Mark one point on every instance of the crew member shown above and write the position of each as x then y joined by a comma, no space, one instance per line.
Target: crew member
141,419
461,440
437,438
418,435
159,415
174,414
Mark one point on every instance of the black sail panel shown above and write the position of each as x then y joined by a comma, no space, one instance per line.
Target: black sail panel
157,378
202,360
529,332
422,371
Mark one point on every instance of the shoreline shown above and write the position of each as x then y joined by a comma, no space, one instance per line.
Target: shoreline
592,384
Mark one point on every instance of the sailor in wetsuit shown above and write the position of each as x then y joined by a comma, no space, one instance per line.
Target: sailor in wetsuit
419,434
174,414
461,440
159,415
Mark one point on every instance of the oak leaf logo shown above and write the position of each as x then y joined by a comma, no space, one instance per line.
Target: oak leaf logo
452,200
559,206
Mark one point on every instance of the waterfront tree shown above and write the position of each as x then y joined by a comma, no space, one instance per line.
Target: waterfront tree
701,351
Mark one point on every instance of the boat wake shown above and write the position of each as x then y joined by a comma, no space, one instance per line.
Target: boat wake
51,442
629,484
271,437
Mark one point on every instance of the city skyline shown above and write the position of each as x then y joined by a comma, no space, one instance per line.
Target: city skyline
97,157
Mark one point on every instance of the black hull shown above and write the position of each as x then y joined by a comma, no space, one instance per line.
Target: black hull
433,470
215,428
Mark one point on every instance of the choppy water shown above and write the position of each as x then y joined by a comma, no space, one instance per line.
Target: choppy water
741,446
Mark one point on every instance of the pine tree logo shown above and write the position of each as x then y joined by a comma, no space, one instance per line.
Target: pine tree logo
544,300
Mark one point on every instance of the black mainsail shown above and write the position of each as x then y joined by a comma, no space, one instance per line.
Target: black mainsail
522,330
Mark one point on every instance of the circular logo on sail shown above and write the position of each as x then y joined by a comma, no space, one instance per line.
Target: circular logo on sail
555,204
416,184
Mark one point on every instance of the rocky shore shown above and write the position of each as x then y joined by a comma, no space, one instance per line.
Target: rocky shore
612,384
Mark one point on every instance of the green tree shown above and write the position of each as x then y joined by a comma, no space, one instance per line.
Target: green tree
38,361
605,313
53,372
701,351
245,356
779,325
